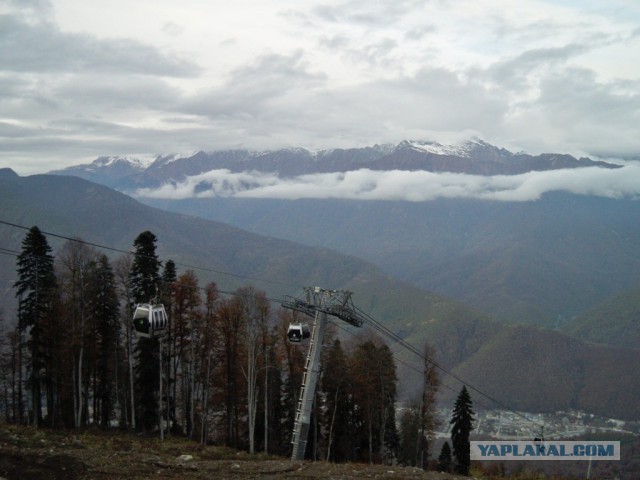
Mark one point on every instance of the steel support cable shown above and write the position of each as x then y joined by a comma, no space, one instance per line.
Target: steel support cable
396,338
412,367
369,319
113,249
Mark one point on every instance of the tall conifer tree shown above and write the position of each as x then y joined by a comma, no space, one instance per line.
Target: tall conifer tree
145,277
36,290
461,425
105,311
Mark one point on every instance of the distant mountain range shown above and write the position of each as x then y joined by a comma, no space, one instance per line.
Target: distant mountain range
524,367
471,157
539,262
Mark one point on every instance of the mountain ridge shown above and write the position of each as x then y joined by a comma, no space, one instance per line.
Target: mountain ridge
474,157
466,338
537,262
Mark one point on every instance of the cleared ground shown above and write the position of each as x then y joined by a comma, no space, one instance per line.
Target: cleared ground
30,454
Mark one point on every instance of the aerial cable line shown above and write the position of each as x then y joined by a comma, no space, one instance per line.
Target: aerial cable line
409,366
368,318
113,249
6,251
393,336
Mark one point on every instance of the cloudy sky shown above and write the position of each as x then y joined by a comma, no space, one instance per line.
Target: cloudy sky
80,79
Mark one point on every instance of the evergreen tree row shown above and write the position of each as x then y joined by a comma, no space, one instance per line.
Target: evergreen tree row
223,372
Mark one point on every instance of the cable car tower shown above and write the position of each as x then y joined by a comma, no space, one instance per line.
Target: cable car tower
318,304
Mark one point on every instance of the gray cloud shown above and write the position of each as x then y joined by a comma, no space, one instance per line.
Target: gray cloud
270,84
277,99
366,13
400,185
173,29
42,47
574,108
116,93
360,74
417,33
515,72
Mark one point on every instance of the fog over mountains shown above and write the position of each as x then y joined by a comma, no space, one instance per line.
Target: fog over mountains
525,367
530,239
413,171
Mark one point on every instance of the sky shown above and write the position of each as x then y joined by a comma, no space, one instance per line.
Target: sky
80,80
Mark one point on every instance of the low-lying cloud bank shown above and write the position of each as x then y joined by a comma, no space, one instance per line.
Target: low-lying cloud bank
414,186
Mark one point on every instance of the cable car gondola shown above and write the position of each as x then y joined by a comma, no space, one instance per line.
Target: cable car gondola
149,320
541,445
297,332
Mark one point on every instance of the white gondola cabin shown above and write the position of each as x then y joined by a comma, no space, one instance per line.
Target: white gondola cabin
298,332
150,320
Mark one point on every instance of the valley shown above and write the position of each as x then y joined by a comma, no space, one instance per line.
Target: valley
561,373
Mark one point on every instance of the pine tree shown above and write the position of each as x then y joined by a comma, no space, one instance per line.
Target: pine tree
462,423
104,311
36,290
444,459
144,282
145,269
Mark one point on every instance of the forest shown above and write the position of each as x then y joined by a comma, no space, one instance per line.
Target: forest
222,373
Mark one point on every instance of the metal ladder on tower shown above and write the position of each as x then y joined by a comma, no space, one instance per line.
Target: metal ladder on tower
319,303
308,388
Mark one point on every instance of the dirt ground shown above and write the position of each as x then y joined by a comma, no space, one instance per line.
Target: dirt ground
30,454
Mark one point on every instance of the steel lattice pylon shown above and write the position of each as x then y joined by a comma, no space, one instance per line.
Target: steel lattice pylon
318,303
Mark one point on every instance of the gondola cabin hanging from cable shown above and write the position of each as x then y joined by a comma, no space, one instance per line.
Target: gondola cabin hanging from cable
298,332
150,320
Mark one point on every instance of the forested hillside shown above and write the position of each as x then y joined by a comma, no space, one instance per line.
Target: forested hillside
530,239
615,321
537,263
82,355
503,361
104,375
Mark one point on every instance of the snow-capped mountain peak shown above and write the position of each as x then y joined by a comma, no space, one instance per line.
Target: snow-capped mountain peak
140,163
461,149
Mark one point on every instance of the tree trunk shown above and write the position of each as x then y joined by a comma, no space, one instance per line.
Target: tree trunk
20,399
131,387
192,383
252,391
80,403
333,419
266,407
205,403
